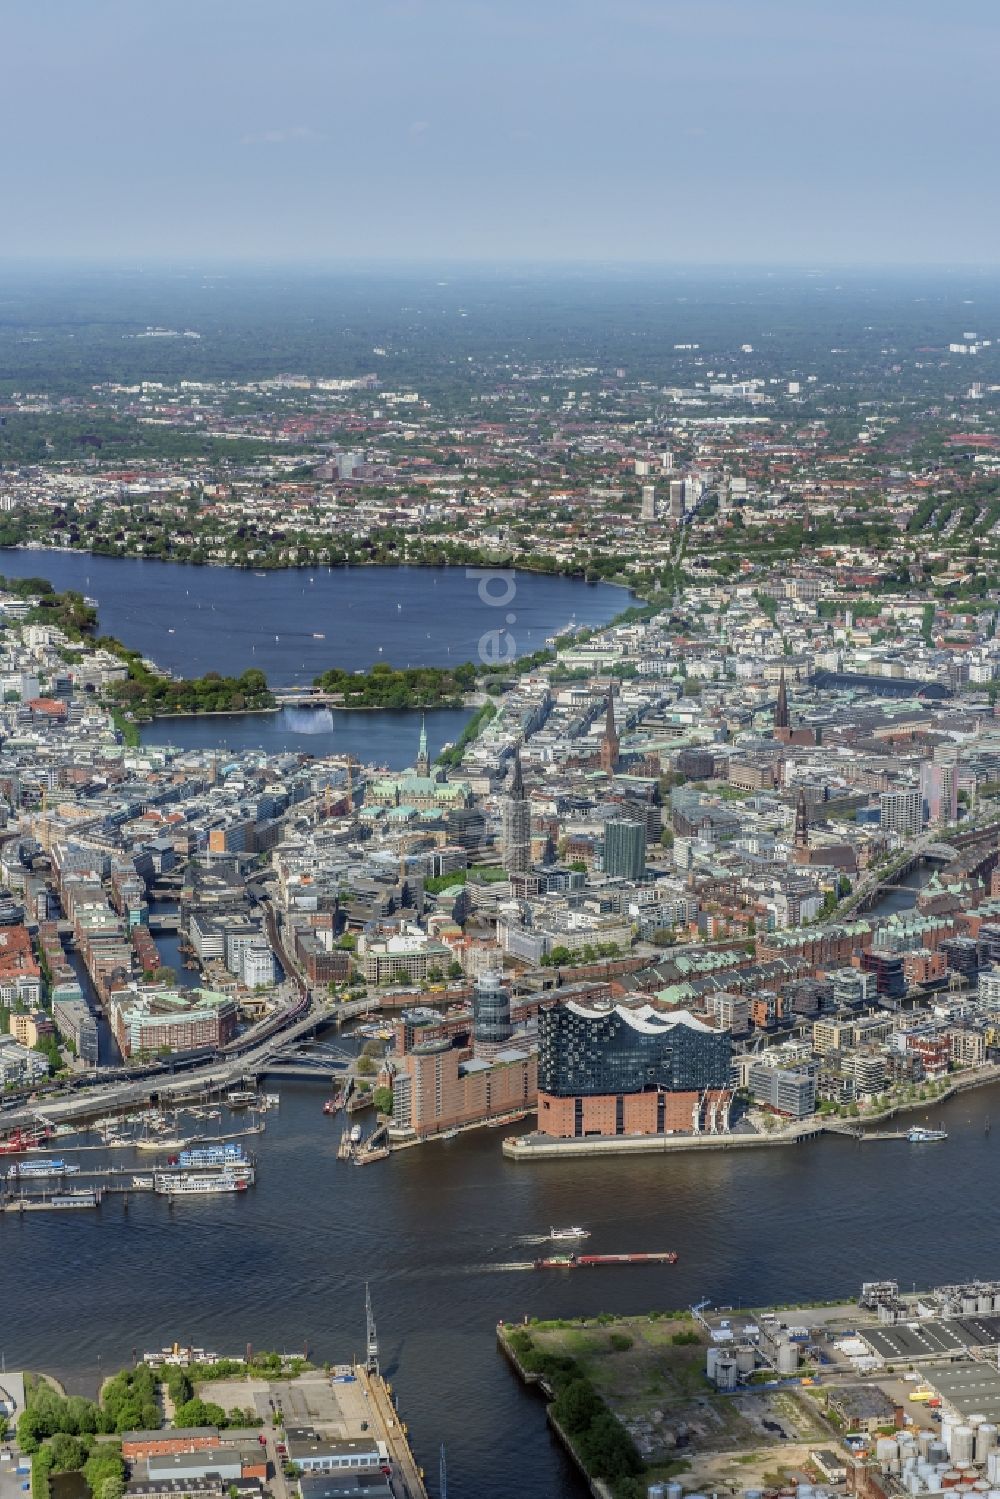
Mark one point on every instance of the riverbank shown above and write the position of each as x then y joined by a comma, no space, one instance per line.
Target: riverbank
535,1380
544,1148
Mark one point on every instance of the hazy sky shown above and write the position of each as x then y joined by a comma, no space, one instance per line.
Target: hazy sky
651,130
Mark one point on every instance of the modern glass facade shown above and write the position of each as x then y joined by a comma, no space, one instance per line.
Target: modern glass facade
491,1023
582,1052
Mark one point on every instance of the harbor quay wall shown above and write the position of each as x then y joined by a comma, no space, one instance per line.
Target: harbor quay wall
534,1381
539,1148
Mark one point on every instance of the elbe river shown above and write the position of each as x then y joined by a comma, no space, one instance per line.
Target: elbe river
442,1232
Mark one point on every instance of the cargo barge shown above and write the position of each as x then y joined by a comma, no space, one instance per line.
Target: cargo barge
579,1261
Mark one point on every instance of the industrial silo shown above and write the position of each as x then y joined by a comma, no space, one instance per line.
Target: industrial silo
963,1444
986,1441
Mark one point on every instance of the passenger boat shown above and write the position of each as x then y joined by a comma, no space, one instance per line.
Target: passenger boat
240,1098
569,1233
142,1183
23,1169
918,1135
222,1157
183,1185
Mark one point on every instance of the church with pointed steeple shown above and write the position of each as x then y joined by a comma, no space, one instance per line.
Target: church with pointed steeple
781,720
515,824
610,744
423,765
801,820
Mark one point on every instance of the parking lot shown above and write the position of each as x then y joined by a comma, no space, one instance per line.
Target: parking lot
334,1409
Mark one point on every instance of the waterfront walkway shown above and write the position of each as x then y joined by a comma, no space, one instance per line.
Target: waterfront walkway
535,1147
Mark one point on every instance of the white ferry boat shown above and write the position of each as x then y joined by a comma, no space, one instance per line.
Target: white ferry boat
920,1136
43,1168
557,1234
179,1184
142,1183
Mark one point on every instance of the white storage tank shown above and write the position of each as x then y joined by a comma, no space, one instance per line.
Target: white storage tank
711,1359
746,1359
886,1449
985,1304
726,1374
924,1440
969,1304
963,1444
656,1491
993,1467
947,1427
986,1441
788,1358
674,1489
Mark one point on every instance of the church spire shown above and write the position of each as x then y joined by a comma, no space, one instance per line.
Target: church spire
781,706
801,820
423,759
516,792
609,744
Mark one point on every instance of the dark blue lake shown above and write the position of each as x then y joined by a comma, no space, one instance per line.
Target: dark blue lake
295,623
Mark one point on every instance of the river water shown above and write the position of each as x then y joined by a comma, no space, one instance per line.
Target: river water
438,1232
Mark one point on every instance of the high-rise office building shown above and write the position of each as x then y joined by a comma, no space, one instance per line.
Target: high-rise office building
648,508
901,812
939,791
491,1022
515,824
625,848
